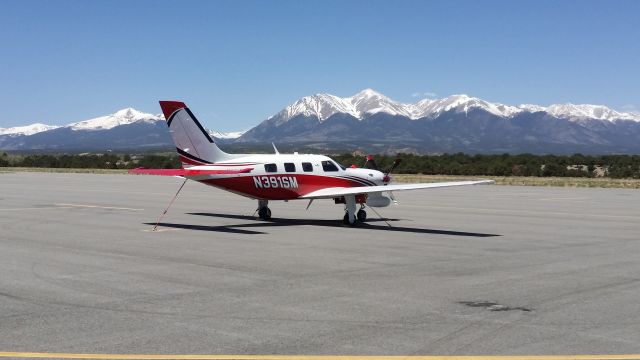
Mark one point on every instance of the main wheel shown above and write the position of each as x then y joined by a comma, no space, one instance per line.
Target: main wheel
362,215
264,213
345,220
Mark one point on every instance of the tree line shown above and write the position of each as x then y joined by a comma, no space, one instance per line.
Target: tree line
578,165
90,161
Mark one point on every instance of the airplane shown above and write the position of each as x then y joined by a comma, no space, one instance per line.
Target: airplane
269,177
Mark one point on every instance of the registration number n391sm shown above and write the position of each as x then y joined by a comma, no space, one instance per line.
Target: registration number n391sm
275,182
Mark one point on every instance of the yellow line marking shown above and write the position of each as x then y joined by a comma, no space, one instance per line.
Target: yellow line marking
98,207
32,355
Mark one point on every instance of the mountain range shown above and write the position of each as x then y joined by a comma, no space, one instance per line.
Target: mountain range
371,122
127,129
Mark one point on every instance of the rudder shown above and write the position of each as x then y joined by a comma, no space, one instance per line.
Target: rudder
193,144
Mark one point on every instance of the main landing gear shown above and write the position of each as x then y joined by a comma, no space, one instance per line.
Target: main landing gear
351,217
361,216
264,212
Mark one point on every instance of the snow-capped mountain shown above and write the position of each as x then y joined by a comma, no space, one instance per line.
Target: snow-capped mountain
598,112
369,102
27,130
226,135
125,129
463,103
122,117
370,120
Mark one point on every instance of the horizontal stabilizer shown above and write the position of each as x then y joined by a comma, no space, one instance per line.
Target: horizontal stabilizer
188,172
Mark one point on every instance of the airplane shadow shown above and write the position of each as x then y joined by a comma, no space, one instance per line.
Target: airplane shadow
247,228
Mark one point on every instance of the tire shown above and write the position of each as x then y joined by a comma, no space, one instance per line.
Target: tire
345,220
264,213
362,215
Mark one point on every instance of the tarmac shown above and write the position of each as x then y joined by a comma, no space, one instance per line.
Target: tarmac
460,271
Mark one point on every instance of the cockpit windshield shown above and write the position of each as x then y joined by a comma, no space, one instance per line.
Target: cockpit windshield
340,165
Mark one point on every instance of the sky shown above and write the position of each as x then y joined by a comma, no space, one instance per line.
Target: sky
235,63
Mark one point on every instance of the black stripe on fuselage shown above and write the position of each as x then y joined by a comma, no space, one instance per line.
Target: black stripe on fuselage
192,157
360,180
194,119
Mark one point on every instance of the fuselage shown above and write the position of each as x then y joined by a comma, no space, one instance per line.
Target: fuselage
286,176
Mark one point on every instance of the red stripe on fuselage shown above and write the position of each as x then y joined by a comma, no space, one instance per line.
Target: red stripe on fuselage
246,185
186,160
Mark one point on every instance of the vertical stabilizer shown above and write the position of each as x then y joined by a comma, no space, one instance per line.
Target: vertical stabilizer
193,143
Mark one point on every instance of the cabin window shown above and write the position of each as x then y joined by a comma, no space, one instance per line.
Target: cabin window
271,168
329,166
289,167
307,167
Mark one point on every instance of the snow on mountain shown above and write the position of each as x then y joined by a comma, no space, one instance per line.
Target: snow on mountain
463,103
371,102
368,102
585,111
226,135
27,130
532,108
320,105
122,117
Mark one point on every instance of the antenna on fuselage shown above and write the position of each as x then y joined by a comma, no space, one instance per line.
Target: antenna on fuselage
275,149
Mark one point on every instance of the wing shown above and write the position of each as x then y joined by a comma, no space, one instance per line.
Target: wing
188,172
329,193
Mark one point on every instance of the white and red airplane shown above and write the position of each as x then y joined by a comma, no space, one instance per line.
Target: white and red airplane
278,176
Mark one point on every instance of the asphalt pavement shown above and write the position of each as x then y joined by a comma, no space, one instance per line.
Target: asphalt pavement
464,271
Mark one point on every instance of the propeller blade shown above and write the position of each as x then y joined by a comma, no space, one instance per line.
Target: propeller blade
395,164
370,163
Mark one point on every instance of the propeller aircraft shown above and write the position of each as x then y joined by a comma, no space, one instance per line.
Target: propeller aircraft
269,177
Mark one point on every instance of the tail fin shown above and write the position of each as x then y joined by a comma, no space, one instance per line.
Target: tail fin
193,143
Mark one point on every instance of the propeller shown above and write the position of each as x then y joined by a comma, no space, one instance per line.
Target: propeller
395,164
371,164
387,178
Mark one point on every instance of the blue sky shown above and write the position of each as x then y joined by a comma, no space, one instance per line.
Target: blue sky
237,62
